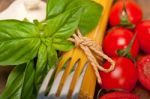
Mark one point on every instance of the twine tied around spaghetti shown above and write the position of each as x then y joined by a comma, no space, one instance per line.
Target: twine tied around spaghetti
89,47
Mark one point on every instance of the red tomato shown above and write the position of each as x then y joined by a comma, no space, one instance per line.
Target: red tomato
143,34
119,95
119,38
144,71
124,76
132,11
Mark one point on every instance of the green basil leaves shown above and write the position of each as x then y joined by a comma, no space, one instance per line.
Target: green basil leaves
20,82
90,14
32,47
19,42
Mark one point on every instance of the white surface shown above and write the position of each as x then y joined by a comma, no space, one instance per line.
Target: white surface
21,9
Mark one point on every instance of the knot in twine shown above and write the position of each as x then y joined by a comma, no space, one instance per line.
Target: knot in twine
89,47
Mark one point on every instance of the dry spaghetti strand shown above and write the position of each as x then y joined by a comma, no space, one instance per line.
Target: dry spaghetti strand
89,47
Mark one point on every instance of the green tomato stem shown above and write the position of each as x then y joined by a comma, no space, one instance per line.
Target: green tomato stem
126,52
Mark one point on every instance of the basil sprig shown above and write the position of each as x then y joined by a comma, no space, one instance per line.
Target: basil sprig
20,82
32,47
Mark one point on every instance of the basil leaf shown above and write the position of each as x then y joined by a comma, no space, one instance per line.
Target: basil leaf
90,15
13,83
41,64
20,83
55,7
19,42
52,57
59,29
63,25
62,45
28,81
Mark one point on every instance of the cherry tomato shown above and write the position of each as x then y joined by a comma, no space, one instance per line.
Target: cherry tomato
143,34
144,71
119,95
125,12
117,39
124,76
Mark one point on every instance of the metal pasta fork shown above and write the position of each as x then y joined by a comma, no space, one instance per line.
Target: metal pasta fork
77,80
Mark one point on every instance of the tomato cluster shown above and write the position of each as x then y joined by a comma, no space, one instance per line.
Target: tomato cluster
128,36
